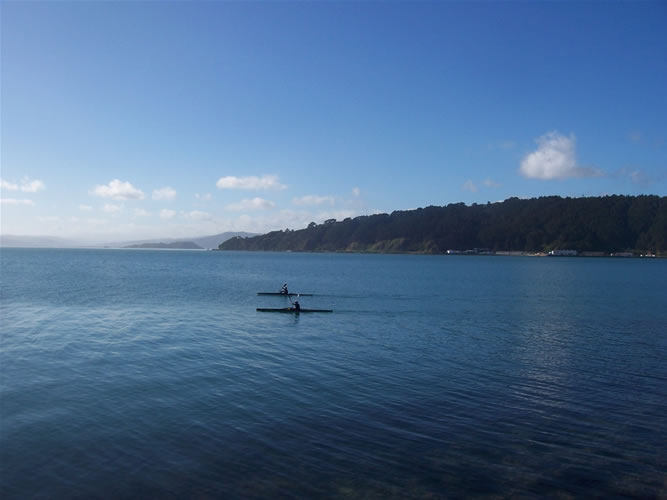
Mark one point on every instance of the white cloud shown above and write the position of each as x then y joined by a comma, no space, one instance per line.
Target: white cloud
203,197
117,190
555,158
197,215
356,192
313,200
14,201
140,212
251,204
470,186
33,186
165,193
85,208
10,186
252,182
488,182
167,214
110,208
27,185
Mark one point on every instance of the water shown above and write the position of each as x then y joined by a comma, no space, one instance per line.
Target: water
130,374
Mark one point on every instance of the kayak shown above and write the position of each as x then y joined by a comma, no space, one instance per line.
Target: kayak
292,310
286,294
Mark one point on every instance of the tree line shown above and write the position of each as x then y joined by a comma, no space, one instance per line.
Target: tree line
593,224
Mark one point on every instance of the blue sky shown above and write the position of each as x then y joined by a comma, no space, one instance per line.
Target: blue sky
175,119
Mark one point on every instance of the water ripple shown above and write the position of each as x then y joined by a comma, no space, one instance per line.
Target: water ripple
477,378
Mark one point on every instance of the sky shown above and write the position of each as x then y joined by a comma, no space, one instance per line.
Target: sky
139,120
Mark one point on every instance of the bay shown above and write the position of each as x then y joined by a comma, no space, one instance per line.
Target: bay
141,373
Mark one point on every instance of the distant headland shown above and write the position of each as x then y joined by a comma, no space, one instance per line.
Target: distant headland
592,226
207,242
176,245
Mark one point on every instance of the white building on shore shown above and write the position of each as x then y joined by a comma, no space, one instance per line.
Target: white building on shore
563,253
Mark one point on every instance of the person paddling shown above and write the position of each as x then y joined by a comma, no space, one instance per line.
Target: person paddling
295,305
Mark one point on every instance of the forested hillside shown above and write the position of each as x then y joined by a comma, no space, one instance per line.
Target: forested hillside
595,224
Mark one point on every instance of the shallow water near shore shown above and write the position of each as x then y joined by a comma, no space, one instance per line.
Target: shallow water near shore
138,373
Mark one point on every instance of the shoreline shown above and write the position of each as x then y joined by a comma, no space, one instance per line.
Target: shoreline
501,253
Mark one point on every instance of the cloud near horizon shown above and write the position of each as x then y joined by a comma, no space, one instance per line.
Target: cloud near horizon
197,215
167,214
27,185
339,215
284,218
9,186
555,158
638,176
111,208
311,200
469,185
118,190
164,193
33,186
14,201
251,204
252,182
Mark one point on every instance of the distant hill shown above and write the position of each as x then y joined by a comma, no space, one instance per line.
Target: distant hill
595,224
203,241
215,240
180,245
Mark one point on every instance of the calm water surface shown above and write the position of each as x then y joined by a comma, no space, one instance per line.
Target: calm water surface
129,374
